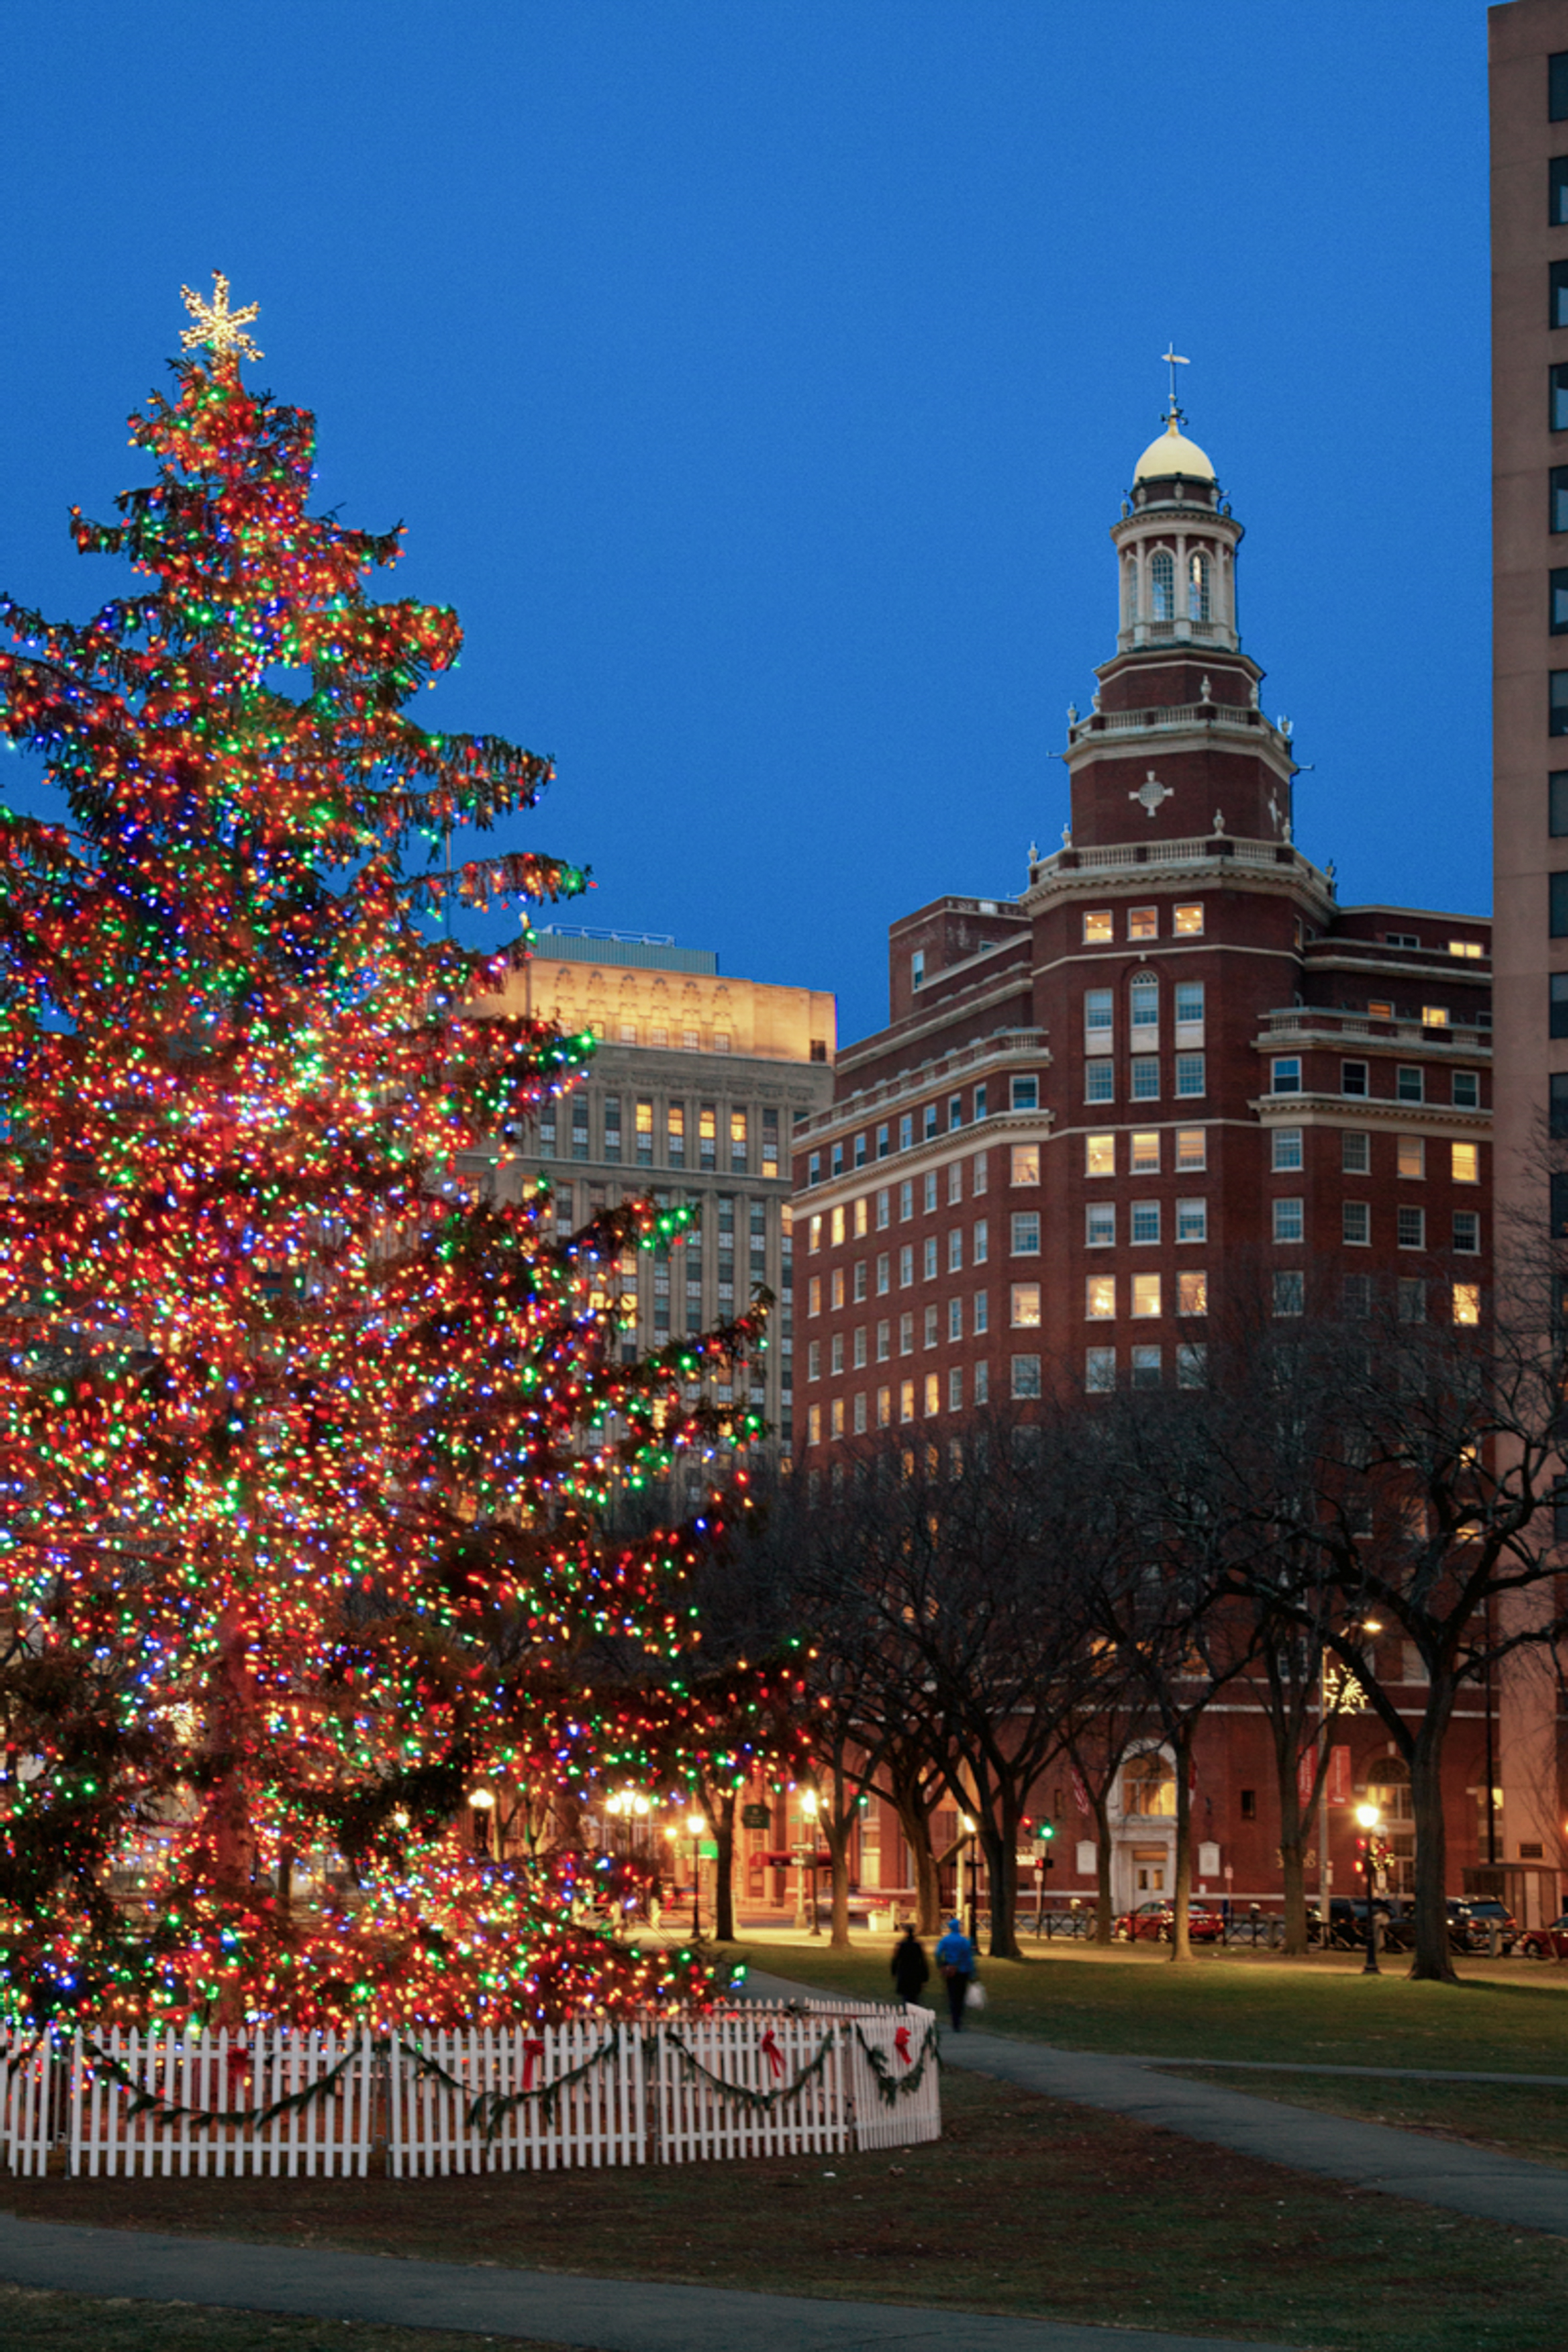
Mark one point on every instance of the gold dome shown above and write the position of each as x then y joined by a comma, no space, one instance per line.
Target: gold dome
1172,452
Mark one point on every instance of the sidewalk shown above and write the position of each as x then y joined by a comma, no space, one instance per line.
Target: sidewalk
600,2314
1474,2180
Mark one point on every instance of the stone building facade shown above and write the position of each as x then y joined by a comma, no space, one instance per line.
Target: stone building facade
692,1096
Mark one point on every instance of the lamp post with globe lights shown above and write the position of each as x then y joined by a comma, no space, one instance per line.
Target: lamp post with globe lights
1325,1868
1370,1820
696,1823
810,1805
970,1827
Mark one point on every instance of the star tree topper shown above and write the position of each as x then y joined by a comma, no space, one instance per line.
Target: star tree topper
221,329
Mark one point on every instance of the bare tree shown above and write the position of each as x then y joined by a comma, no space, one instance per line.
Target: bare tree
1420,1514
1158,1591
984,1594
1109,1721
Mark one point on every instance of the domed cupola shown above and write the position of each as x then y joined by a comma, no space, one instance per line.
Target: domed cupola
1174,468
1176,749
1177,543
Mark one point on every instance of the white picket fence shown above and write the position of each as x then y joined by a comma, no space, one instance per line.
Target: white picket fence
742,2081
759,2052
211,2103
453,2100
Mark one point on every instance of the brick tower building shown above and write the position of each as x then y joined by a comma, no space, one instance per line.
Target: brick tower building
1172,1052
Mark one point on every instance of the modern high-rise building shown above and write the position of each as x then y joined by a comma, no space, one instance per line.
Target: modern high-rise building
692,1096
1173,1062
1529,44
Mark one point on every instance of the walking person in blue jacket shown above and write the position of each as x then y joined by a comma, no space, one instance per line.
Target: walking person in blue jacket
956,1958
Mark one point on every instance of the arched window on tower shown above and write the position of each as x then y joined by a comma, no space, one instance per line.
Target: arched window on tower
1198,588
1143,995
1162,586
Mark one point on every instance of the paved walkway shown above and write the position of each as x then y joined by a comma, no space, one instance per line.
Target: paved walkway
1374,2155
603,2314
1374,2073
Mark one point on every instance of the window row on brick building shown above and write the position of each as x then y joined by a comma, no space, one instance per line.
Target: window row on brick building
1369,1081
945,1114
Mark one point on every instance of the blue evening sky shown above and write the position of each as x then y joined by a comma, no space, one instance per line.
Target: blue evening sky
758,378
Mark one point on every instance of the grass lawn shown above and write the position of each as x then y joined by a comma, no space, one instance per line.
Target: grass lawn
1026,2206
34,2322
1528,2121
1235,2004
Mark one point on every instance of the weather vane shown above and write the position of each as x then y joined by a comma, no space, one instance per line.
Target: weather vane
218,327
1173,360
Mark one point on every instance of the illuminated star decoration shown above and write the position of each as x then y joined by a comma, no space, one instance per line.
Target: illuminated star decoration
218,327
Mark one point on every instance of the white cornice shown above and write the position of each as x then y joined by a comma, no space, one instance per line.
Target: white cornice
897,1035
930,1151
1352,1110
1299,879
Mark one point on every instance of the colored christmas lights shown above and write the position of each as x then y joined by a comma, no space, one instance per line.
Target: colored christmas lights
310,1451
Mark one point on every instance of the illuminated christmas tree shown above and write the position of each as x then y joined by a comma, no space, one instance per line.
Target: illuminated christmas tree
306,1443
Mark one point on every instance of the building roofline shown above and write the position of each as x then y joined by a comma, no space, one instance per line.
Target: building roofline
1433,914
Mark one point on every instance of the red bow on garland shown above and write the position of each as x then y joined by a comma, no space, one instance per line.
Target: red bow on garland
532,2052
901,2043
773,2053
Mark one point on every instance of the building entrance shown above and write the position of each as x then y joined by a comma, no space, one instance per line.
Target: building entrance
1149,1867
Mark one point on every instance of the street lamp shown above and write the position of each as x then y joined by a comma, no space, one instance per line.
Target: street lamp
1370,1820
810,1805
968,1827
1325,1868
483,1801
696,1823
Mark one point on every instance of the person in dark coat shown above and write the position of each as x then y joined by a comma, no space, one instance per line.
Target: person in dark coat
910,1966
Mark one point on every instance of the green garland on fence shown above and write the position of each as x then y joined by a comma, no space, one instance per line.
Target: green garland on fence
172,2111
492,2108
894,2087
488,2110
740,2093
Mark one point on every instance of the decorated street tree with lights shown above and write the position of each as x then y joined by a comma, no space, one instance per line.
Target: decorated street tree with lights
305,1441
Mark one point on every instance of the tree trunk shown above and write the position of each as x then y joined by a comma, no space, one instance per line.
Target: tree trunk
1432,1961
1292,1837
1104,1912
1293,1870
721,1814
1002,1862
839,1850
232,1709
229,1835
1180,1938
916,1826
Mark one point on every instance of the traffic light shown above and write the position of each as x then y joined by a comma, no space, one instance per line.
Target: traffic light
1045,1831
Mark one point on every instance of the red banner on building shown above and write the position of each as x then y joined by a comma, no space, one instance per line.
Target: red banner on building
1306,1772
1338,1776
1080,1791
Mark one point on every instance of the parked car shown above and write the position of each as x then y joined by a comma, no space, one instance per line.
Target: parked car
1471,1919
1546,1943
1155,1919
1347,1924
